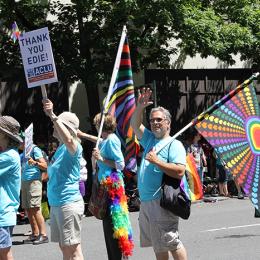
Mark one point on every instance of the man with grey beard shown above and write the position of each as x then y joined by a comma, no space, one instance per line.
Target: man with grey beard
158,227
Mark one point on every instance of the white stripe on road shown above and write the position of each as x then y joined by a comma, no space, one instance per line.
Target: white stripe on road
224,228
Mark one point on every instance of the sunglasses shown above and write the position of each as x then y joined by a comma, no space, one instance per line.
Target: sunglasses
156,120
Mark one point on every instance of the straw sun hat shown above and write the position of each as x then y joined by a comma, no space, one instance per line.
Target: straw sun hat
10,127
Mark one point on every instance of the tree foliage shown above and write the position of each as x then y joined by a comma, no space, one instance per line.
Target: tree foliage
85,34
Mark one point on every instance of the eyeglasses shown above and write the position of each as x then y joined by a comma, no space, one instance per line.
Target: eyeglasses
156,120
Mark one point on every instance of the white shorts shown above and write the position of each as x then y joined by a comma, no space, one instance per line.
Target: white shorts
66,223
158,227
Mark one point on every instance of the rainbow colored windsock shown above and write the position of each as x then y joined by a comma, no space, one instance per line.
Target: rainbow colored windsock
15,32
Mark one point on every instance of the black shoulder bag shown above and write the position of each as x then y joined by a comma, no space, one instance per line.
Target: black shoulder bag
174,197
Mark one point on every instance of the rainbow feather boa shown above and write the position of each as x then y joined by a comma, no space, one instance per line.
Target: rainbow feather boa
119,212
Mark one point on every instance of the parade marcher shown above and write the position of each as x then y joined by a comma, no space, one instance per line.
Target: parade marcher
158,227
82,180
197,152
222,174
32,194
240,194
10,182
52,147
109,156
83,176
67,206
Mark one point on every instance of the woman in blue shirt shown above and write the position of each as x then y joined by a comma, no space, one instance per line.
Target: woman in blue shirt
10,181
67,206
109,156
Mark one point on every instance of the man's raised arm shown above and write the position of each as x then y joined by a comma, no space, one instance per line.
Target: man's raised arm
137,117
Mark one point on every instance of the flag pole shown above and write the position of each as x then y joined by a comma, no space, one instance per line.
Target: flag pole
212,108
112,82
110,91
44,92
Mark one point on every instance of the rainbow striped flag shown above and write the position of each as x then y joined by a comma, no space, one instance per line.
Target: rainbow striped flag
185,186
195,186
122,105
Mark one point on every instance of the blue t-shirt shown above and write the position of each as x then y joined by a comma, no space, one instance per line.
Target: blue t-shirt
10,184
110,149
64,174
30,172
149,175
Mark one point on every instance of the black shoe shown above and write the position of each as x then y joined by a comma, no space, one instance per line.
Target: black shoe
257,213
30,239
240,196
40,240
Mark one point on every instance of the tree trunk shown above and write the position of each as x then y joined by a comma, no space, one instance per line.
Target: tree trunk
93,100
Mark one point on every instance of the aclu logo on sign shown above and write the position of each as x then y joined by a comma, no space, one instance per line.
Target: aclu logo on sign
30,73
40,73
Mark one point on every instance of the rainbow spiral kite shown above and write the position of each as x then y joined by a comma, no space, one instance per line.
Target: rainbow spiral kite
233,129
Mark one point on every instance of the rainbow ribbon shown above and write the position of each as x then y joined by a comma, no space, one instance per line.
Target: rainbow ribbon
119,212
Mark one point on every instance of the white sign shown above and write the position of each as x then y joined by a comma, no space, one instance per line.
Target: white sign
28,141
38,62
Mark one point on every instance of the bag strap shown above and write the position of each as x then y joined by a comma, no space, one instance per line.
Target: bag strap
32,151
164,145
167,178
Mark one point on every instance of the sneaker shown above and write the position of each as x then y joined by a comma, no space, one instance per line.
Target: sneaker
240,196
30,239
214,194
41,239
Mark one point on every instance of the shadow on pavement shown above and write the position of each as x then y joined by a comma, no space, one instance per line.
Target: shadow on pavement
17,234
238,236
17,243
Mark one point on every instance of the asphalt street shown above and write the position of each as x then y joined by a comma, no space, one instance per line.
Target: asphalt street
224,230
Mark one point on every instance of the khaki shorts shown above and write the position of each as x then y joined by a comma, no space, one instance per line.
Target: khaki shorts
158,228
31,194
66,223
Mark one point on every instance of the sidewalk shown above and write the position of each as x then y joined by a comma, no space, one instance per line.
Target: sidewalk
208,198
